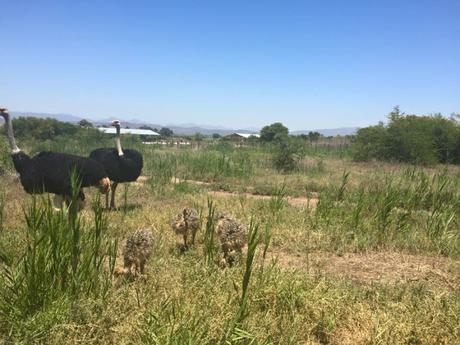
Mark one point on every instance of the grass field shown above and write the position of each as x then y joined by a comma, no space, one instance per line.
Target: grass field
344,253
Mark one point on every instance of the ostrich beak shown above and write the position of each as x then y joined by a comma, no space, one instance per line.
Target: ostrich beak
104,185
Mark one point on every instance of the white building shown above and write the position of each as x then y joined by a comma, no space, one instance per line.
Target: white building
135,131
243,135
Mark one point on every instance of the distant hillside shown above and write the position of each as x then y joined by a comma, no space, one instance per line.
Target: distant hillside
60,117
329,132
185,129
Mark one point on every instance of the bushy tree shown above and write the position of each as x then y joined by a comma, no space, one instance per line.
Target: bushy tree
311,136
287,152
216,135
410,138
314,136
166,132
85,124
42,129
369,143
273,132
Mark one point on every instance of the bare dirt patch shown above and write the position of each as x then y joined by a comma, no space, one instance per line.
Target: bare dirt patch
293,201
176,180
296,202
377,267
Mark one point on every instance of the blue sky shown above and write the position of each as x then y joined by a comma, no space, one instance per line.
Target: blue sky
308,64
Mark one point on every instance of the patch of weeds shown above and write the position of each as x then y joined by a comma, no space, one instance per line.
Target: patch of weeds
226,187
186,188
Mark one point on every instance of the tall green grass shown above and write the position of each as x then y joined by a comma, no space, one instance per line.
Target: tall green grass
235,331
210,248
64,258
205,164
2,210
409,210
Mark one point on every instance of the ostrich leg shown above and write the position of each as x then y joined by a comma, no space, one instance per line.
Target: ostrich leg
193,237
107,200
112,200
185,241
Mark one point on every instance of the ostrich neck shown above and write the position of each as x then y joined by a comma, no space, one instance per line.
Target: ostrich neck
118,142
14,148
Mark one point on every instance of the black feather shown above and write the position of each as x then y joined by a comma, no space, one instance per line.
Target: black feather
125,168
51,172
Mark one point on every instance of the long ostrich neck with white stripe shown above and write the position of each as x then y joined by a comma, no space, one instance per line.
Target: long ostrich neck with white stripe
9,130
117,140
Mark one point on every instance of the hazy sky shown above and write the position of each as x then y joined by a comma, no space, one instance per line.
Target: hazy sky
309,64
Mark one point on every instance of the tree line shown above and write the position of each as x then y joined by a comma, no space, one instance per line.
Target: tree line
426,139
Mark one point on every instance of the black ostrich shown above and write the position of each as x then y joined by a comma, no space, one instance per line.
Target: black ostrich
121,165
51,172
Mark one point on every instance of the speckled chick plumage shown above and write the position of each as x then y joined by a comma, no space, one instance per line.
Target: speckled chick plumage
232,236
186,223
136,251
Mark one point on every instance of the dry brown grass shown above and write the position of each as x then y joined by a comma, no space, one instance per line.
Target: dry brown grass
387,268
305,292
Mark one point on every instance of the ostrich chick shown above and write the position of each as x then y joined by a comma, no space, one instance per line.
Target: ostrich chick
232,237
186,223
136,251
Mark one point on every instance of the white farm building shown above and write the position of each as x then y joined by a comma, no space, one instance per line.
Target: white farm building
134,131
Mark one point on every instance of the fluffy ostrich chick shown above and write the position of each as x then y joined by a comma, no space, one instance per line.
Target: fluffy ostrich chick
186,223
232,237
136,251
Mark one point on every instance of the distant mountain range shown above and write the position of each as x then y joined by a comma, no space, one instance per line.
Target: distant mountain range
183,129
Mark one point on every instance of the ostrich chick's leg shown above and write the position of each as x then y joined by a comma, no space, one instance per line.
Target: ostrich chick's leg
112,200
107,200
193,237
185,240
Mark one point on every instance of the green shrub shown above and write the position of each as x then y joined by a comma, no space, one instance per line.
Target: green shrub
287,152
410,138
42,129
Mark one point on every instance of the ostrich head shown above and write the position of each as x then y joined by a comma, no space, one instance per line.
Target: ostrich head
4,113
9,127
116,123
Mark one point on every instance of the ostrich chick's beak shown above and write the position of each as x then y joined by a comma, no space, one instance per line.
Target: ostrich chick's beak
104,185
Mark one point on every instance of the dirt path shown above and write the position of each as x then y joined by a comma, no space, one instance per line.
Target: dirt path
377,267
293,201
296,202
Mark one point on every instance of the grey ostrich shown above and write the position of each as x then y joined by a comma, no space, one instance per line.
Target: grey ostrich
137,250
232,237
186,223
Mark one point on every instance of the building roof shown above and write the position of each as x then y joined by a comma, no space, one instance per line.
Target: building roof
112,130
244,135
